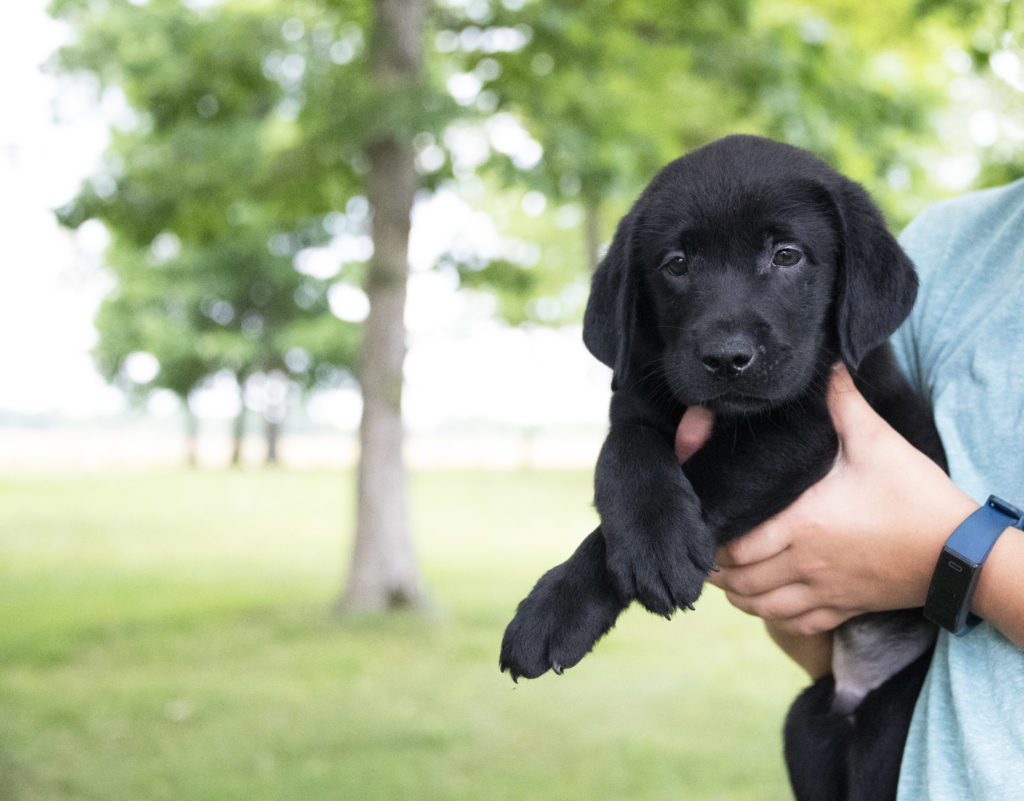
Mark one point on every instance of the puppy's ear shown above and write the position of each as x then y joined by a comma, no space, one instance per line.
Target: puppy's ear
609,320
876,283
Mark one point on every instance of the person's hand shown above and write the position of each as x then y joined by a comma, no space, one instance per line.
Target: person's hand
864,538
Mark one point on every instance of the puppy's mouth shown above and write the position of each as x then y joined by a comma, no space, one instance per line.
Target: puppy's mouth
732,402
770,385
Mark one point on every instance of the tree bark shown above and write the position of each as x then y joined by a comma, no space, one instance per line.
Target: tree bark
384,572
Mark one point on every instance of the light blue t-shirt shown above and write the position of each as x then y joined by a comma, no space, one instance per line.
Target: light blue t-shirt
963,350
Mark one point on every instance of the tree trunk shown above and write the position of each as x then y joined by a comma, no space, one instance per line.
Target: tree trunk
384,572
275,411
273,435
238,431
191,437
592,232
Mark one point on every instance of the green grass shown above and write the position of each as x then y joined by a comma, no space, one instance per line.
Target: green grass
166,636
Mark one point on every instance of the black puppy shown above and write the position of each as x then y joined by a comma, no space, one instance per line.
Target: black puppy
741,274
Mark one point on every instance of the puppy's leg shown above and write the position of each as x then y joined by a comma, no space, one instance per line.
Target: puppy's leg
565,614
880,734
816,740
659,547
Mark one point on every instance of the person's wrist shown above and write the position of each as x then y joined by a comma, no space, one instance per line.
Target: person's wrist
948,510
1002,565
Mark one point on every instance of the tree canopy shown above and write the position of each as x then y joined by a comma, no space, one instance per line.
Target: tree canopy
266,156
247,120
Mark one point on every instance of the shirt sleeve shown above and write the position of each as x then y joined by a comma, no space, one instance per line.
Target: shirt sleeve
923,240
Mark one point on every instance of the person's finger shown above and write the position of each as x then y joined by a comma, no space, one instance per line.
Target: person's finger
851,414
758,578
782,603
765,541
693,431
814,622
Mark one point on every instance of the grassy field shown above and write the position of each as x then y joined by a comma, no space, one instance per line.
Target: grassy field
167,636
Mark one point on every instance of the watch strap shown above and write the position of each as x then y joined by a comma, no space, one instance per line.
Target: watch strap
959,565
974,538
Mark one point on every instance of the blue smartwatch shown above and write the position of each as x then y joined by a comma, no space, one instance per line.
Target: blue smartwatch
959,566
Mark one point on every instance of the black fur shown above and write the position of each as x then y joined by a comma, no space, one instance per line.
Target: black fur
699,301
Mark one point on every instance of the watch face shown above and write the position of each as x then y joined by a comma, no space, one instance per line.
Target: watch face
950,590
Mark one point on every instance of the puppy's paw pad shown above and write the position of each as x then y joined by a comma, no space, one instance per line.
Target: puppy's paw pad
555,626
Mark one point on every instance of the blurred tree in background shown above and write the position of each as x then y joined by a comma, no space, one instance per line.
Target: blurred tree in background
614,90
268,154
203,247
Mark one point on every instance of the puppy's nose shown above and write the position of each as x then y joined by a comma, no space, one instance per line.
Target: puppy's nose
729,357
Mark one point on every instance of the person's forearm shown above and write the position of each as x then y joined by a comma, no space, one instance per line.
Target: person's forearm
999,598
812,652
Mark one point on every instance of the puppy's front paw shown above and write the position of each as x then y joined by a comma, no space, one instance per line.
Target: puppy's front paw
566,613
664,569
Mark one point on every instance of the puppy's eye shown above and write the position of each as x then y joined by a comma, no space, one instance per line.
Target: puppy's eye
787,257
675,264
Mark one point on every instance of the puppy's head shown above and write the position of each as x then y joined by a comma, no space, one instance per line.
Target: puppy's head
744,269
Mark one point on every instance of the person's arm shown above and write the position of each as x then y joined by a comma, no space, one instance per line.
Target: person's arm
812,652
865,538
999,598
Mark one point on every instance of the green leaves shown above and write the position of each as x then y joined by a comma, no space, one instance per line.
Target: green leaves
205,195
247,123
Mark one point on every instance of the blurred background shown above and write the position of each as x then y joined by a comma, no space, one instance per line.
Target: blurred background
294,405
